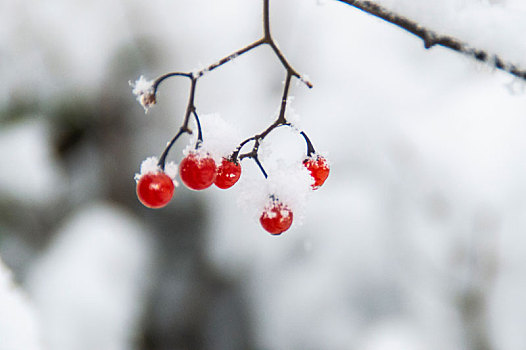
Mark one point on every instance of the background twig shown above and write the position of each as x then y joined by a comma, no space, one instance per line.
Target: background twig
431,38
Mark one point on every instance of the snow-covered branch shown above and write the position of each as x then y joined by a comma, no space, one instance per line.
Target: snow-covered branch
432,38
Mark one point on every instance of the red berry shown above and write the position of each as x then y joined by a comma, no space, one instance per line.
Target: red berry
197,171
276,218
227,174
319,170
155,190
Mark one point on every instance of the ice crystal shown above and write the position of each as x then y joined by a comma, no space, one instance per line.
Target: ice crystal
144,91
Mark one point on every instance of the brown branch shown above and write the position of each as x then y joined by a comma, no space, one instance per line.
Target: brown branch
230,57
284,99
266,19
148,96
432,38
184,129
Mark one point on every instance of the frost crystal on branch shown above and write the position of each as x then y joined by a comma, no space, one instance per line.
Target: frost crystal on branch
144,91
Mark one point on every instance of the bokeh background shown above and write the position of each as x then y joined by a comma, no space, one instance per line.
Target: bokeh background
416,241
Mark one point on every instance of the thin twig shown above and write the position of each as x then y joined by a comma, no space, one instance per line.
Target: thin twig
432,38
266,19
194,77
256,159
230,57
280,121
199,130
163,77
310,147
184,127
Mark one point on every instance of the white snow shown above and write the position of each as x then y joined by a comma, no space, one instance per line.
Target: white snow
143,90
19,328
29,172
220,138
425,146
393,334
90,286
484,25
150,165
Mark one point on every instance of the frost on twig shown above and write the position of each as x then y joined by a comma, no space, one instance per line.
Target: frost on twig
432,38
145,92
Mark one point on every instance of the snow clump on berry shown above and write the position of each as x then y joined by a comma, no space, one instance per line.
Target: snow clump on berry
220,138
291,185
150,165
144,91
171,169
288,184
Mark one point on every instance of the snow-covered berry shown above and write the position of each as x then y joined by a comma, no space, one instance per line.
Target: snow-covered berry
319,170
155,187
155,190
276,217
227,173
197,170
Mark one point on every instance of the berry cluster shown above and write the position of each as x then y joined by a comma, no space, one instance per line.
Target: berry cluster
198,170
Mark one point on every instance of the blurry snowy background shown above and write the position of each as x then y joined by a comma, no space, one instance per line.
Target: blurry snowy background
416,242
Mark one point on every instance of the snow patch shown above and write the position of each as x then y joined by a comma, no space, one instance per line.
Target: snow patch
18,325
29,173
90,286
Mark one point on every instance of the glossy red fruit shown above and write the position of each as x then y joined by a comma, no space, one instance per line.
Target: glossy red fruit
319,170
197,171
227,174
276,218
155,190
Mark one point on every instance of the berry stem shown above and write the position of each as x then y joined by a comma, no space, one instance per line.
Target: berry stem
310,147
184,128
280,121
256,159
163,77
284,99
199,132
162,158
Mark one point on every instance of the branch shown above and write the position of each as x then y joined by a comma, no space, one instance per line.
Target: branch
431,38
230,57
146,92
184,129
